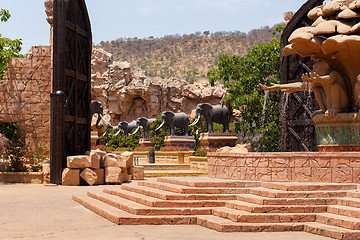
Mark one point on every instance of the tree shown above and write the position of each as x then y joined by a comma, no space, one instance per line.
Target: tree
206,33
241,77
8,48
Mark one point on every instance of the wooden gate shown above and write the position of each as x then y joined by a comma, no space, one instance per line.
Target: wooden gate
297,128
70,99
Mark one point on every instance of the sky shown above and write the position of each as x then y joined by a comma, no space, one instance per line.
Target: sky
112,19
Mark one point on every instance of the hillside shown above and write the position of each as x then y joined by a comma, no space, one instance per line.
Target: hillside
187,57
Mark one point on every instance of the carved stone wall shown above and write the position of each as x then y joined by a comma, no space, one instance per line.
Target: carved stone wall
25,95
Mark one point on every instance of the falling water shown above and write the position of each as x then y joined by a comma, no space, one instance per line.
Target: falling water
286,100
264,106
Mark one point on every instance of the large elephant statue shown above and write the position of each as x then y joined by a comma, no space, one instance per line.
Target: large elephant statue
145,123
213,113
180,120
97,107
127,127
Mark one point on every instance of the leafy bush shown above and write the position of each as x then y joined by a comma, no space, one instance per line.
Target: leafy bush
16,150
38,157
158,137
175,149
144,149
120,141
202,151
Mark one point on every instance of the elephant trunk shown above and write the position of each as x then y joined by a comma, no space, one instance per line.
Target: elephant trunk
97,122
161,125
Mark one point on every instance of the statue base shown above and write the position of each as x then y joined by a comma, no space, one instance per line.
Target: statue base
180,141
93,138
145,142
339,134
218,140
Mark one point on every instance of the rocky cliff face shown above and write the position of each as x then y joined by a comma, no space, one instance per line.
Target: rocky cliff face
128,93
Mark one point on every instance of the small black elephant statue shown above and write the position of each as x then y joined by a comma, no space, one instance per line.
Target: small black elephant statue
97,107
213,113
127,127
180,120
145,123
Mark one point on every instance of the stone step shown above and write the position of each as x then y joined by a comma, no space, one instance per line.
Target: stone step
344,210
273,193
189,190
158,203
353,194
331,231
309,186
225,225
242,216
140,209
256,208
172,173
202,182
285,201
165,195
160,166
121,217
347,201
339,221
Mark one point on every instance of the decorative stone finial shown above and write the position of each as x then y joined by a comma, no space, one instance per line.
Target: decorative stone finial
49,9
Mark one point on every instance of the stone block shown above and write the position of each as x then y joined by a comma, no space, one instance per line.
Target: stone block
89,175
100,176
71,177
113,175
46,172
138,173
95,160
112,160
127,157
80,161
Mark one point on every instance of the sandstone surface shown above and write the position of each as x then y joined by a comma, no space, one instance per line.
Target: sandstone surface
89,175
80,161
71,177
127,94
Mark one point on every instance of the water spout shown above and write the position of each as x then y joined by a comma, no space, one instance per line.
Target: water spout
264,106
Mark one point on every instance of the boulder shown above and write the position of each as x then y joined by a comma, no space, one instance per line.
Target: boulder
127,157
138,173
71,177
89,175
113,175
242,148
100,176
80,161
95,158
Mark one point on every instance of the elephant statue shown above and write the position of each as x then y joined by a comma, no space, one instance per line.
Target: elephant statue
180,120
97,107
127,127
145,123
213,113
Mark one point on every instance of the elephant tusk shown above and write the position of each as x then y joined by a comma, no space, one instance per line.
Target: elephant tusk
162,124
136,130
117,133
195,122
103,119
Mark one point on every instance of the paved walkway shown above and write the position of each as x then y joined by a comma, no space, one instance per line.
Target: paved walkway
47,212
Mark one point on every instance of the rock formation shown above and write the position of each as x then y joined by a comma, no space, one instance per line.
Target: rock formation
127,94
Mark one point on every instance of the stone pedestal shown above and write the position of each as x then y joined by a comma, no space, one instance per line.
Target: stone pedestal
94,137
218,140
180,141
145,142
339,134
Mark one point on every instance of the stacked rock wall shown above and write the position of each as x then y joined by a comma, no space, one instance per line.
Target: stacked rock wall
25,95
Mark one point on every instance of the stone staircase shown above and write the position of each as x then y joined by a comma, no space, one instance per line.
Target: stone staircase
331,210
169,170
